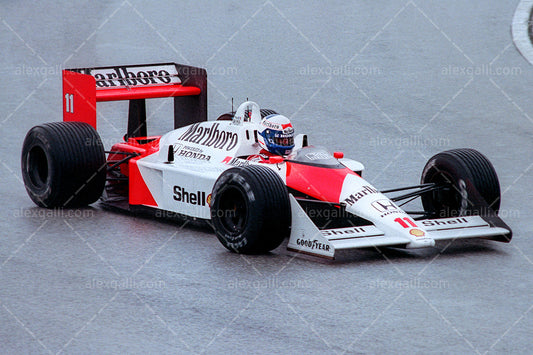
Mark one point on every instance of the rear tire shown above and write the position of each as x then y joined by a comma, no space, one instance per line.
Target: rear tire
250,209
63,164
461,169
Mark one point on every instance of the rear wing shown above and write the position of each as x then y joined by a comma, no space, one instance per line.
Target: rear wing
83,88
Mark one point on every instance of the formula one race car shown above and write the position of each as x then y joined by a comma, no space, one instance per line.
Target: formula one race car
202,170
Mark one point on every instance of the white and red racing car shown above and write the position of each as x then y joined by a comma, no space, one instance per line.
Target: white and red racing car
200,170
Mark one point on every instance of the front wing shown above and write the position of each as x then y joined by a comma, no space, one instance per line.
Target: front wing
307,238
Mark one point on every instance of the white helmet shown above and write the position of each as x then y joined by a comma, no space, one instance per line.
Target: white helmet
276,134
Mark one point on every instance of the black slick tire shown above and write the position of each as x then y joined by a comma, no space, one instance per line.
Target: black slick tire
467,175
63,164
250,209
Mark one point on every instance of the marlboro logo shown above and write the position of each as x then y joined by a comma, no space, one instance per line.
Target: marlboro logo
210,136
365,191
124,76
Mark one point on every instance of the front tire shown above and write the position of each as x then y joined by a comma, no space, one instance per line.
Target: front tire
63,164
250,209
465,175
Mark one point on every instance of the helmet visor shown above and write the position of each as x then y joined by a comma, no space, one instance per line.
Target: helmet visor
284,140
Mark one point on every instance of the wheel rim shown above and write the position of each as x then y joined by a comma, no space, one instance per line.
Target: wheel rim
232,210
37,166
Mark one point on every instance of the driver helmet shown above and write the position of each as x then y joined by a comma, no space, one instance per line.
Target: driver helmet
276,134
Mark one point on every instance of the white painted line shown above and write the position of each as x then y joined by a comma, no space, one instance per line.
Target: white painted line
520,29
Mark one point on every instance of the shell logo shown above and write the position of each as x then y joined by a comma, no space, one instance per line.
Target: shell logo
208,200
417,232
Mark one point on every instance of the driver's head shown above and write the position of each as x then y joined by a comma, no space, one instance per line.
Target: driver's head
276,134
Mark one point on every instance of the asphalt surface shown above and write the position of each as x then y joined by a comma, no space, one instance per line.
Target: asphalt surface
389,83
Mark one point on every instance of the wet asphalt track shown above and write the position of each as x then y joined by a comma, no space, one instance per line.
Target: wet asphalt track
389,83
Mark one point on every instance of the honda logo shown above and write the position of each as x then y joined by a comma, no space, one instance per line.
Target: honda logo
384,205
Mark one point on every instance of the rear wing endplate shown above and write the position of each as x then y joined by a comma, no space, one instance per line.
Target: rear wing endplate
83,88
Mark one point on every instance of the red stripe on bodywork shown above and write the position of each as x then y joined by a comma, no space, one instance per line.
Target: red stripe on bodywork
321,183
139,193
